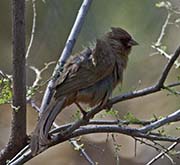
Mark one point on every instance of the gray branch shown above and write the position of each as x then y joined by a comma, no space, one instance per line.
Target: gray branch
162,153
66,51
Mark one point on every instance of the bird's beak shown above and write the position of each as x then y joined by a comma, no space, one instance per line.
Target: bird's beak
132,42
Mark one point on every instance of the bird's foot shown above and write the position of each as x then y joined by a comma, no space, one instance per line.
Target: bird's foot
84,113
108,107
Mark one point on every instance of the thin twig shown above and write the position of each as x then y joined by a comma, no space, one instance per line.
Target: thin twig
78,147
148,144
162,153
162,52
33,28
167,68
158,43
82,151
154,147
40,72
162,33
6,76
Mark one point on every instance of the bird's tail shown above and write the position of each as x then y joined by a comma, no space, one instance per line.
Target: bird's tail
40,137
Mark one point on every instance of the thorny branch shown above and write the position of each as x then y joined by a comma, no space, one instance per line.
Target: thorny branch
82,127
162,153
154,147
158,44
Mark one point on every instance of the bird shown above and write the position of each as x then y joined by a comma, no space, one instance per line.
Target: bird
88,77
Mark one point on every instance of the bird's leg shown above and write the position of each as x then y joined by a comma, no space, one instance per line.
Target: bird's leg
81,109
108,106
104,103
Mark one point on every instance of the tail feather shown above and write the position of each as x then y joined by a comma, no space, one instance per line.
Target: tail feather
40,136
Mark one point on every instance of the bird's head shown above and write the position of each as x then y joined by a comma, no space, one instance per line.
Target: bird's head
120,40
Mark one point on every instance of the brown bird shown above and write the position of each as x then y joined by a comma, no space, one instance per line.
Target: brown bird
89,77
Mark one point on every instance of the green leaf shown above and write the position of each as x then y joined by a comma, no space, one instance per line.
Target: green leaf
5,91
177,20
79,147
160,4
131,118
166,4
163,47
77,115
171,91
112,112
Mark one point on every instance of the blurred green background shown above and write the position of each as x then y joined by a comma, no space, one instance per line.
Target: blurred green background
54,21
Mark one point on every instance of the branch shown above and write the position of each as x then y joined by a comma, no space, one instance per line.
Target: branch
171,118
39,73
72,141
33,28
155,147
78,147
6,76
18,137
66,51
162,153
158,43
82,151
100,129
163,29
157,87
102,122
167,68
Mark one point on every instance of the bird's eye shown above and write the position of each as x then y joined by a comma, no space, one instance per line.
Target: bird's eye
125,41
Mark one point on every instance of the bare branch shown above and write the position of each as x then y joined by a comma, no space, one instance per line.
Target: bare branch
4,75
171,118
173,84
162,52
82,151
147,144
78,147
66,51
133,132
162,33
73,142
162,153
168,67
18,136
158,43
33,28
40,72
102,122
88,129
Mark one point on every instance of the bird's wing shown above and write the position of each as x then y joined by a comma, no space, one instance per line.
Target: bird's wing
86,69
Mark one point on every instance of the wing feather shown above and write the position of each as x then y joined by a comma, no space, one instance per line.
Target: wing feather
86,69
